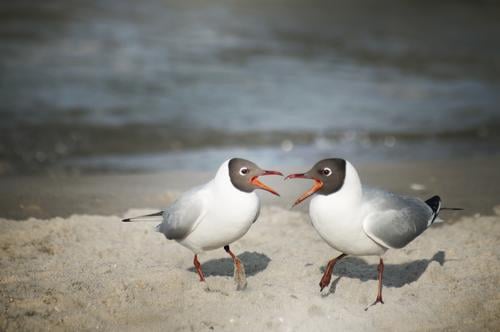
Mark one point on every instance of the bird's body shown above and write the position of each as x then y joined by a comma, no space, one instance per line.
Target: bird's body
342,231
338,218
361,221
215,214
348,218
220,214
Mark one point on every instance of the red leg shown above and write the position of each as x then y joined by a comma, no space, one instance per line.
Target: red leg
239,273
226,248
236,261
197,265
380,270
327,276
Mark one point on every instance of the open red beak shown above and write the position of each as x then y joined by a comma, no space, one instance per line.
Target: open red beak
255,181
318,184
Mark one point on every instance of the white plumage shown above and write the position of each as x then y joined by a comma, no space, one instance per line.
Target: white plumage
221,214
360,221
216,214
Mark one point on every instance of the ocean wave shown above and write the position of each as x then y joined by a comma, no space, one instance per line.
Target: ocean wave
55,143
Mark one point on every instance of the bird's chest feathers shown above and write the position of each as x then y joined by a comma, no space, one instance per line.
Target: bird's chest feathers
336,218
332,210
237,208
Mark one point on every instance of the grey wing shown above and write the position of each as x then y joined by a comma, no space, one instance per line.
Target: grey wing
394,221
180,219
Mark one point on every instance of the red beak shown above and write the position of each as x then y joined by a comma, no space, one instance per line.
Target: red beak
318,184
255,181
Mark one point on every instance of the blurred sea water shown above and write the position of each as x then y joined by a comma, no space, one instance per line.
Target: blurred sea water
160,85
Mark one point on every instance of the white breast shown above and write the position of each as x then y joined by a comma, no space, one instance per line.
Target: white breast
224,222
227,215
338,218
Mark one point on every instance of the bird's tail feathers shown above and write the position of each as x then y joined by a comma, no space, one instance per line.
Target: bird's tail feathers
147,217
435,204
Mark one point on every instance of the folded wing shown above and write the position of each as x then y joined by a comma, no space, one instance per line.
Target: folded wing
394,221
182,217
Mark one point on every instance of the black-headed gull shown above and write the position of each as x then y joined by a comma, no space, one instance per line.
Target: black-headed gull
217,213
359,221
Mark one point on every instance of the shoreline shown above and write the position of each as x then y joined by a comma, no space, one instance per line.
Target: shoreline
469,184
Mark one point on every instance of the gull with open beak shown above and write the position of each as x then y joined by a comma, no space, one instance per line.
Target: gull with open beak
217,213
359,221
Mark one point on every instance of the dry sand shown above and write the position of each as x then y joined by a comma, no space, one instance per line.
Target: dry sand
94,272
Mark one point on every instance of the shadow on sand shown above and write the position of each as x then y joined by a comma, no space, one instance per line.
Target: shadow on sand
395,275
254,263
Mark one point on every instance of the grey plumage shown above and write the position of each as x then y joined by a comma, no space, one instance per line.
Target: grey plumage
398,220
180,218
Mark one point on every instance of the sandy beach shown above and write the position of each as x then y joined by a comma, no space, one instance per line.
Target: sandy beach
67,262
114,108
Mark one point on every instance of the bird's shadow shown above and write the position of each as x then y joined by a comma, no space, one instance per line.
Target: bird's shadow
254,263
395,275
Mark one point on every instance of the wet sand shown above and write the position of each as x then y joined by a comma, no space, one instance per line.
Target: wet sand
76,266
468,183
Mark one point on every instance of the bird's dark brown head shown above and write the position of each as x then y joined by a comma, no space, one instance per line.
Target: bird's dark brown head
328,176
244,175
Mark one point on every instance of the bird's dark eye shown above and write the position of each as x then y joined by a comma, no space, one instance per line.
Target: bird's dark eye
326,171
244,171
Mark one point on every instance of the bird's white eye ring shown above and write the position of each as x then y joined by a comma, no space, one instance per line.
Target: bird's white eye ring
243,171
326,171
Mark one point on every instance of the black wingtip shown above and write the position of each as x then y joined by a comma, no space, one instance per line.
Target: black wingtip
434,203
126,220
